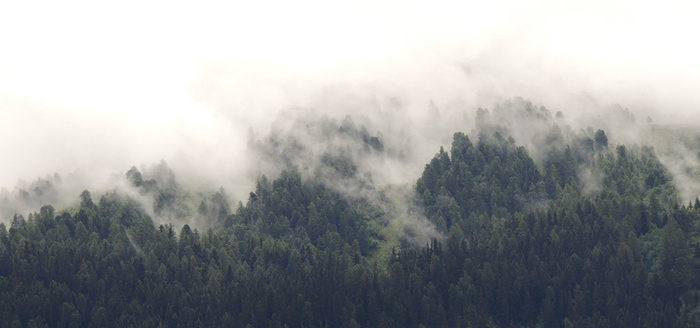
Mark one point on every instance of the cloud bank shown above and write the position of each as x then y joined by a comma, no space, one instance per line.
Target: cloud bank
88,90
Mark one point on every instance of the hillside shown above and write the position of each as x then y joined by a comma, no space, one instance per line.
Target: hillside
542,226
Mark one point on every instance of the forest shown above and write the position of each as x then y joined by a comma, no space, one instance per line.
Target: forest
575,232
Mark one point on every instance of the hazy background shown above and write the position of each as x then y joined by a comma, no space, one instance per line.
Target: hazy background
88,90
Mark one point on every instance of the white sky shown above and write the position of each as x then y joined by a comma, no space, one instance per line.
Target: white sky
92,85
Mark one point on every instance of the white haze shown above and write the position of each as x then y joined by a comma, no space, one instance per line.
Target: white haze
90,89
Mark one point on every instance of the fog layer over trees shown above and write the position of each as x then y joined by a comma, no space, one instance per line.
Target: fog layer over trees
359,164
575,230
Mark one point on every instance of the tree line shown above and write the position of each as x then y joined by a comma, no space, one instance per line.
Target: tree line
527,242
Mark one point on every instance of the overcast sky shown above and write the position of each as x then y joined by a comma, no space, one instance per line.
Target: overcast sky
86,85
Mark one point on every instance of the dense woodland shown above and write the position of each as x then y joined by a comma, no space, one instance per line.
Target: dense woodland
584,234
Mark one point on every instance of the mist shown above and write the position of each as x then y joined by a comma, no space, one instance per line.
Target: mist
88,91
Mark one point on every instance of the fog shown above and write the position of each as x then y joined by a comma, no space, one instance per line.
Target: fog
88,90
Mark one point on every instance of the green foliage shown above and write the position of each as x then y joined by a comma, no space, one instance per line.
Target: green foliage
493,177
588,235
601,140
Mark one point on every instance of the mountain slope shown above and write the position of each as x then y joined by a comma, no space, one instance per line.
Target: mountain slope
584,232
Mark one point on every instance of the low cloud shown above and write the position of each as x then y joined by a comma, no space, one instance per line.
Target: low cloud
185,84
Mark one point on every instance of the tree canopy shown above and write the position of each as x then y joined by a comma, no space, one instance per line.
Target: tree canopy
585,234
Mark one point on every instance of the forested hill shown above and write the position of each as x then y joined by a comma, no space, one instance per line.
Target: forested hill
571,231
